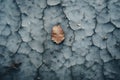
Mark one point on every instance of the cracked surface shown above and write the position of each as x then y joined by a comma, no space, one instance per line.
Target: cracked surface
90,51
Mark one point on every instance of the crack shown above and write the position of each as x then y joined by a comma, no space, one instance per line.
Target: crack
68,27
94,30
71,73
20,21
37,73
73,38
20,24
46,34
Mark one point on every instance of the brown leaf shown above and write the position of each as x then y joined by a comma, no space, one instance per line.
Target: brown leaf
57,34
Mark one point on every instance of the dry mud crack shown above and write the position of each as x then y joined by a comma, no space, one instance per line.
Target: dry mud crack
90,51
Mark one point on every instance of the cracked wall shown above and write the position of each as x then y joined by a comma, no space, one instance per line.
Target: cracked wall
90,51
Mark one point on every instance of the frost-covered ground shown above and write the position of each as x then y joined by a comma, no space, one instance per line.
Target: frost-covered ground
90,51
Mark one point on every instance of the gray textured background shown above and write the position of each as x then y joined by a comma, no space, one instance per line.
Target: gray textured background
90,51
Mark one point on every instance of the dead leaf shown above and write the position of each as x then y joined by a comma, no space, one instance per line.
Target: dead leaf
57,34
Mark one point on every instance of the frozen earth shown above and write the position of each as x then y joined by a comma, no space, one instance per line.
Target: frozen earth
90,51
